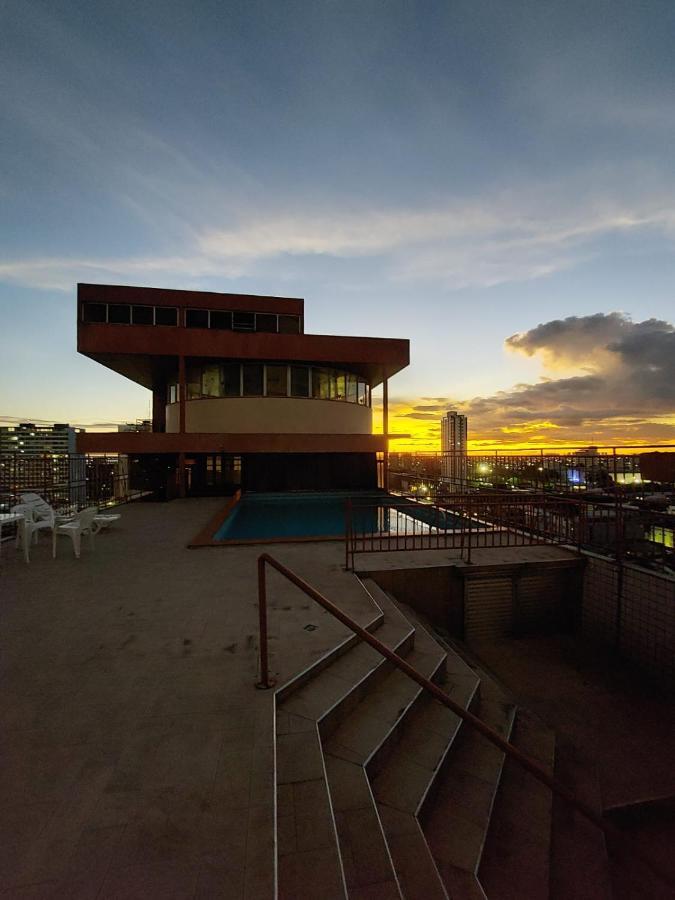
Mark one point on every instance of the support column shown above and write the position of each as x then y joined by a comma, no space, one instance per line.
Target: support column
182,392
159,409
385,429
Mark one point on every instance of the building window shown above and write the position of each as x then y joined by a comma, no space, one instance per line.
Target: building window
277,381
221,319
252,380
351,388
243,321
271,380
119,314
231,380
142,315
289,325
340,386
299,381
211,381
196,318
166,315
321,384
94,312
265,322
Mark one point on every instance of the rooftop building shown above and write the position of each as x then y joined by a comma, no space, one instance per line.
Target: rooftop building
240,391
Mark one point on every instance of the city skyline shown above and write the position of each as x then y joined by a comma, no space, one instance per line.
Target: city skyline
491,181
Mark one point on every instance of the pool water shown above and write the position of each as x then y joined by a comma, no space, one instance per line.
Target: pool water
319,514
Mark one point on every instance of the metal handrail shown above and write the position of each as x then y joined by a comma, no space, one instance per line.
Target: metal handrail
528,763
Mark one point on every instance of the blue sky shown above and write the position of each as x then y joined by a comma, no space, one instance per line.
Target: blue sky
448,172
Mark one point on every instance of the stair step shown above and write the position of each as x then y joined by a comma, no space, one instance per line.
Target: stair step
373,722
457,822
364,852
403,784
306,837
516,858
413,863
365,737
307,840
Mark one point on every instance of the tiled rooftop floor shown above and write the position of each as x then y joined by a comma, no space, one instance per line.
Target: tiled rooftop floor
136,755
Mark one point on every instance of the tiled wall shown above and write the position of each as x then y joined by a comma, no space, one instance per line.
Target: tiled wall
645,628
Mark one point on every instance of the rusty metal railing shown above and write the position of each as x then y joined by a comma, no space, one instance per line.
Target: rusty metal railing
461,522
511,752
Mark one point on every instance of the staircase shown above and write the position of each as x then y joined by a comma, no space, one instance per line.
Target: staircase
382,792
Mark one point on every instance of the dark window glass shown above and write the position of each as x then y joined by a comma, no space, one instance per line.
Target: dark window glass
231,385
94,312
193,378
221,319
142,315
363,393
243,321
289,324
277,384
197,318
166,315
265,322
119,314
253,380
351,388
173,393
299,381
321,384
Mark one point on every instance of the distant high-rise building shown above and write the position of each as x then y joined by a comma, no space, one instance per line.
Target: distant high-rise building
33,440
41,459
453,448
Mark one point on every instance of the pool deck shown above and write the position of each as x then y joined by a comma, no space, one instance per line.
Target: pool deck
136,754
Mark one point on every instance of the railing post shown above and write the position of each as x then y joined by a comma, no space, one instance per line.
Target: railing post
348,530
265,680
468,555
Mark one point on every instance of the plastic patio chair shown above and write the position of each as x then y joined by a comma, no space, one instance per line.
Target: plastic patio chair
81,524
27,529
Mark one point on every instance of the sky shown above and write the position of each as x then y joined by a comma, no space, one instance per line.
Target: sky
493,181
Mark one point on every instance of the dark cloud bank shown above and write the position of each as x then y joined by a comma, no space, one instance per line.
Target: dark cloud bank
622,388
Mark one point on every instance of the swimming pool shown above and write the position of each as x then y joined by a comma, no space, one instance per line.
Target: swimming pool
285,516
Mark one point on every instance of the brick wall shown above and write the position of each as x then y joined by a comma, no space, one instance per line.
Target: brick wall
642,624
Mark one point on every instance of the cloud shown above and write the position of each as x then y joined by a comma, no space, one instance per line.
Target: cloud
628,388
515,235
626,393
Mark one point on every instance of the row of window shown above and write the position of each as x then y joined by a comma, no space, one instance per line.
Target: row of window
272,380
219,319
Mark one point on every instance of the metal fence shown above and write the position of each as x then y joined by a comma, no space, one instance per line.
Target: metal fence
69,481
461,522
628,497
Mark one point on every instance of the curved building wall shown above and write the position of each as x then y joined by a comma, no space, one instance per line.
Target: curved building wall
270,415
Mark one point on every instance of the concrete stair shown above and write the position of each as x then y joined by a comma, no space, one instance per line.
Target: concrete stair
382,792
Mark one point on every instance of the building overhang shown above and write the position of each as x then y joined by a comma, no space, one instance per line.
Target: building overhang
143,442
146,354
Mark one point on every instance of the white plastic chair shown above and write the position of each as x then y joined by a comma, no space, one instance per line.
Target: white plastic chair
82,524
43,513
27,529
